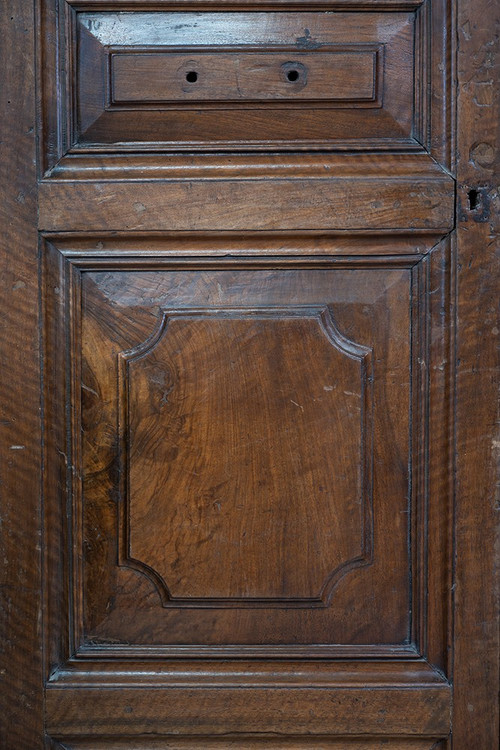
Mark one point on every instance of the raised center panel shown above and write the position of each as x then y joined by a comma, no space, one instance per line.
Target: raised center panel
246,472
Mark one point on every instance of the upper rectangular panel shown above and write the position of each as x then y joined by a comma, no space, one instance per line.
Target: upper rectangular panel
211,80
239,76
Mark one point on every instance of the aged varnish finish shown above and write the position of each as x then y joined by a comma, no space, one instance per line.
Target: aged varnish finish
249,375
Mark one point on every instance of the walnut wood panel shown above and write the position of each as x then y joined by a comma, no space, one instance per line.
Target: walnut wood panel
229,504
303,490
119,314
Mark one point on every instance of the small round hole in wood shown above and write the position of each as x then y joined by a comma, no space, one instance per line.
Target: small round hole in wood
294,74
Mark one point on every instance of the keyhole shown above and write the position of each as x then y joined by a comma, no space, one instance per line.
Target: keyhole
292,75
473,196
192,76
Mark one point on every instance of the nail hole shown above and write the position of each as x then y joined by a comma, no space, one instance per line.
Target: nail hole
292,75
473,199
192,76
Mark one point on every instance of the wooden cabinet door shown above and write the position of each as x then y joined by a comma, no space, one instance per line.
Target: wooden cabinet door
248,375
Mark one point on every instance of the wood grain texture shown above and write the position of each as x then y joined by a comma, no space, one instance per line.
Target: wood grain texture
403,672
424,712
197,254
94,165
402,203
75,97
314,249
477,550
438,311
190,75
106,333
231,504
303,31
330,75
101,318
21,710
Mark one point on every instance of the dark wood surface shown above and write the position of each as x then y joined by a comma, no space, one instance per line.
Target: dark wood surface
286,75
249,375
477,649
160,77
21,676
